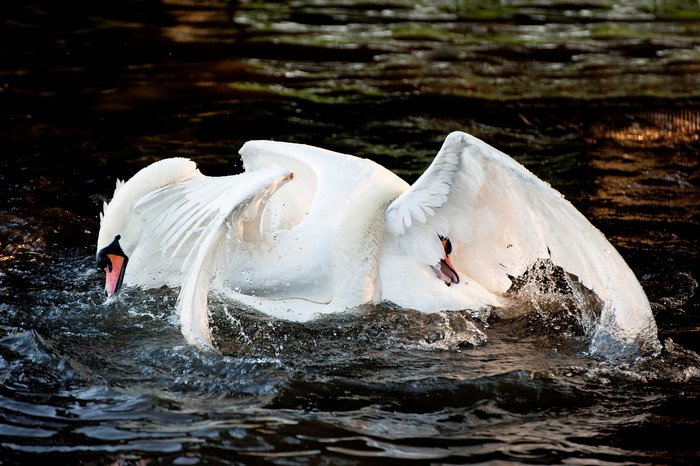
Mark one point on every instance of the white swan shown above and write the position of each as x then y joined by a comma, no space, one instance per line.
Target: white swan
305,231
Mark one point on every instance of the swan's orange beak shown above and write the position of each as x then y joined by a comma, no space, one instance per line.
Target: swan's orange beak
446,271
116,265
113,260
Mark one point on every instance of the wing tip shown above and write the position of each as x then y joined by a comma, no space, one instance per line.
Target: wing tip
249,145
458,137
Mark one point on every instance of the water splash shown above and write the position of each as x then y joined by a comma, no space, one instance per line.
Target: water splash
374,327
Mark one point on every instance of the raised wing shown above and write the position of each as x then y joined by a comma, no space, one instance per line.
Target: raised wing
501,219
324,183
199,219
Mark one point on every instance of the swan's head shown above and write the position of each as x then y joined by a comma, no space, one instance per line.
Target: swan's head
121,225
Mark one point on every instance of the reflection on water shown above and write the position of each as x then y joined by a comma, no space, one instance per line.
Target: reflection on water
599,99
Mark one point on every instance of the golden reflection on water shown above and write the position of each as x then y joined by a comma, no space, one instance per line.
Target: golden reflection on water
659,128
648,167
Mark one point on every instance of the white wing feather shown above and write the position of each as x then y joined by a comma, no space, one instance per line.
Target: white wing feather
240,209
194,221
501,219
324,179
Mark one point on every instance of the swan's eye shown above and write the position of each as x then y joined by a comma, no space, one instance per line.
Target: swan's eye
103,260
448,246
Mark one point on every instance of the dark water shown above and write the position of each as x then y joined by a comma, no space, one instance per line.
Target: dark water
601,100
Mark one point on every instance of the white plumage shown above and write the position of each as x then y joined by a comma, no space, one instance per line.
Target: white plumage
306,231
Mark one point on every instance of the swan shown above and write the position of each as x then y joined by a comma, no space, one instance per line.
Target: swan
305,231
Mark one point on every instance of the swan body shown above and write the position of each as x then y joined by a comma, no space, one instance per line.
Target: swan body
304,231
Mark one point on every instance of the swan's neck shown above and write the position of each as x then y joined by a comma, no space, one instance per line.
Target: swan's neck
356,248
119,216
